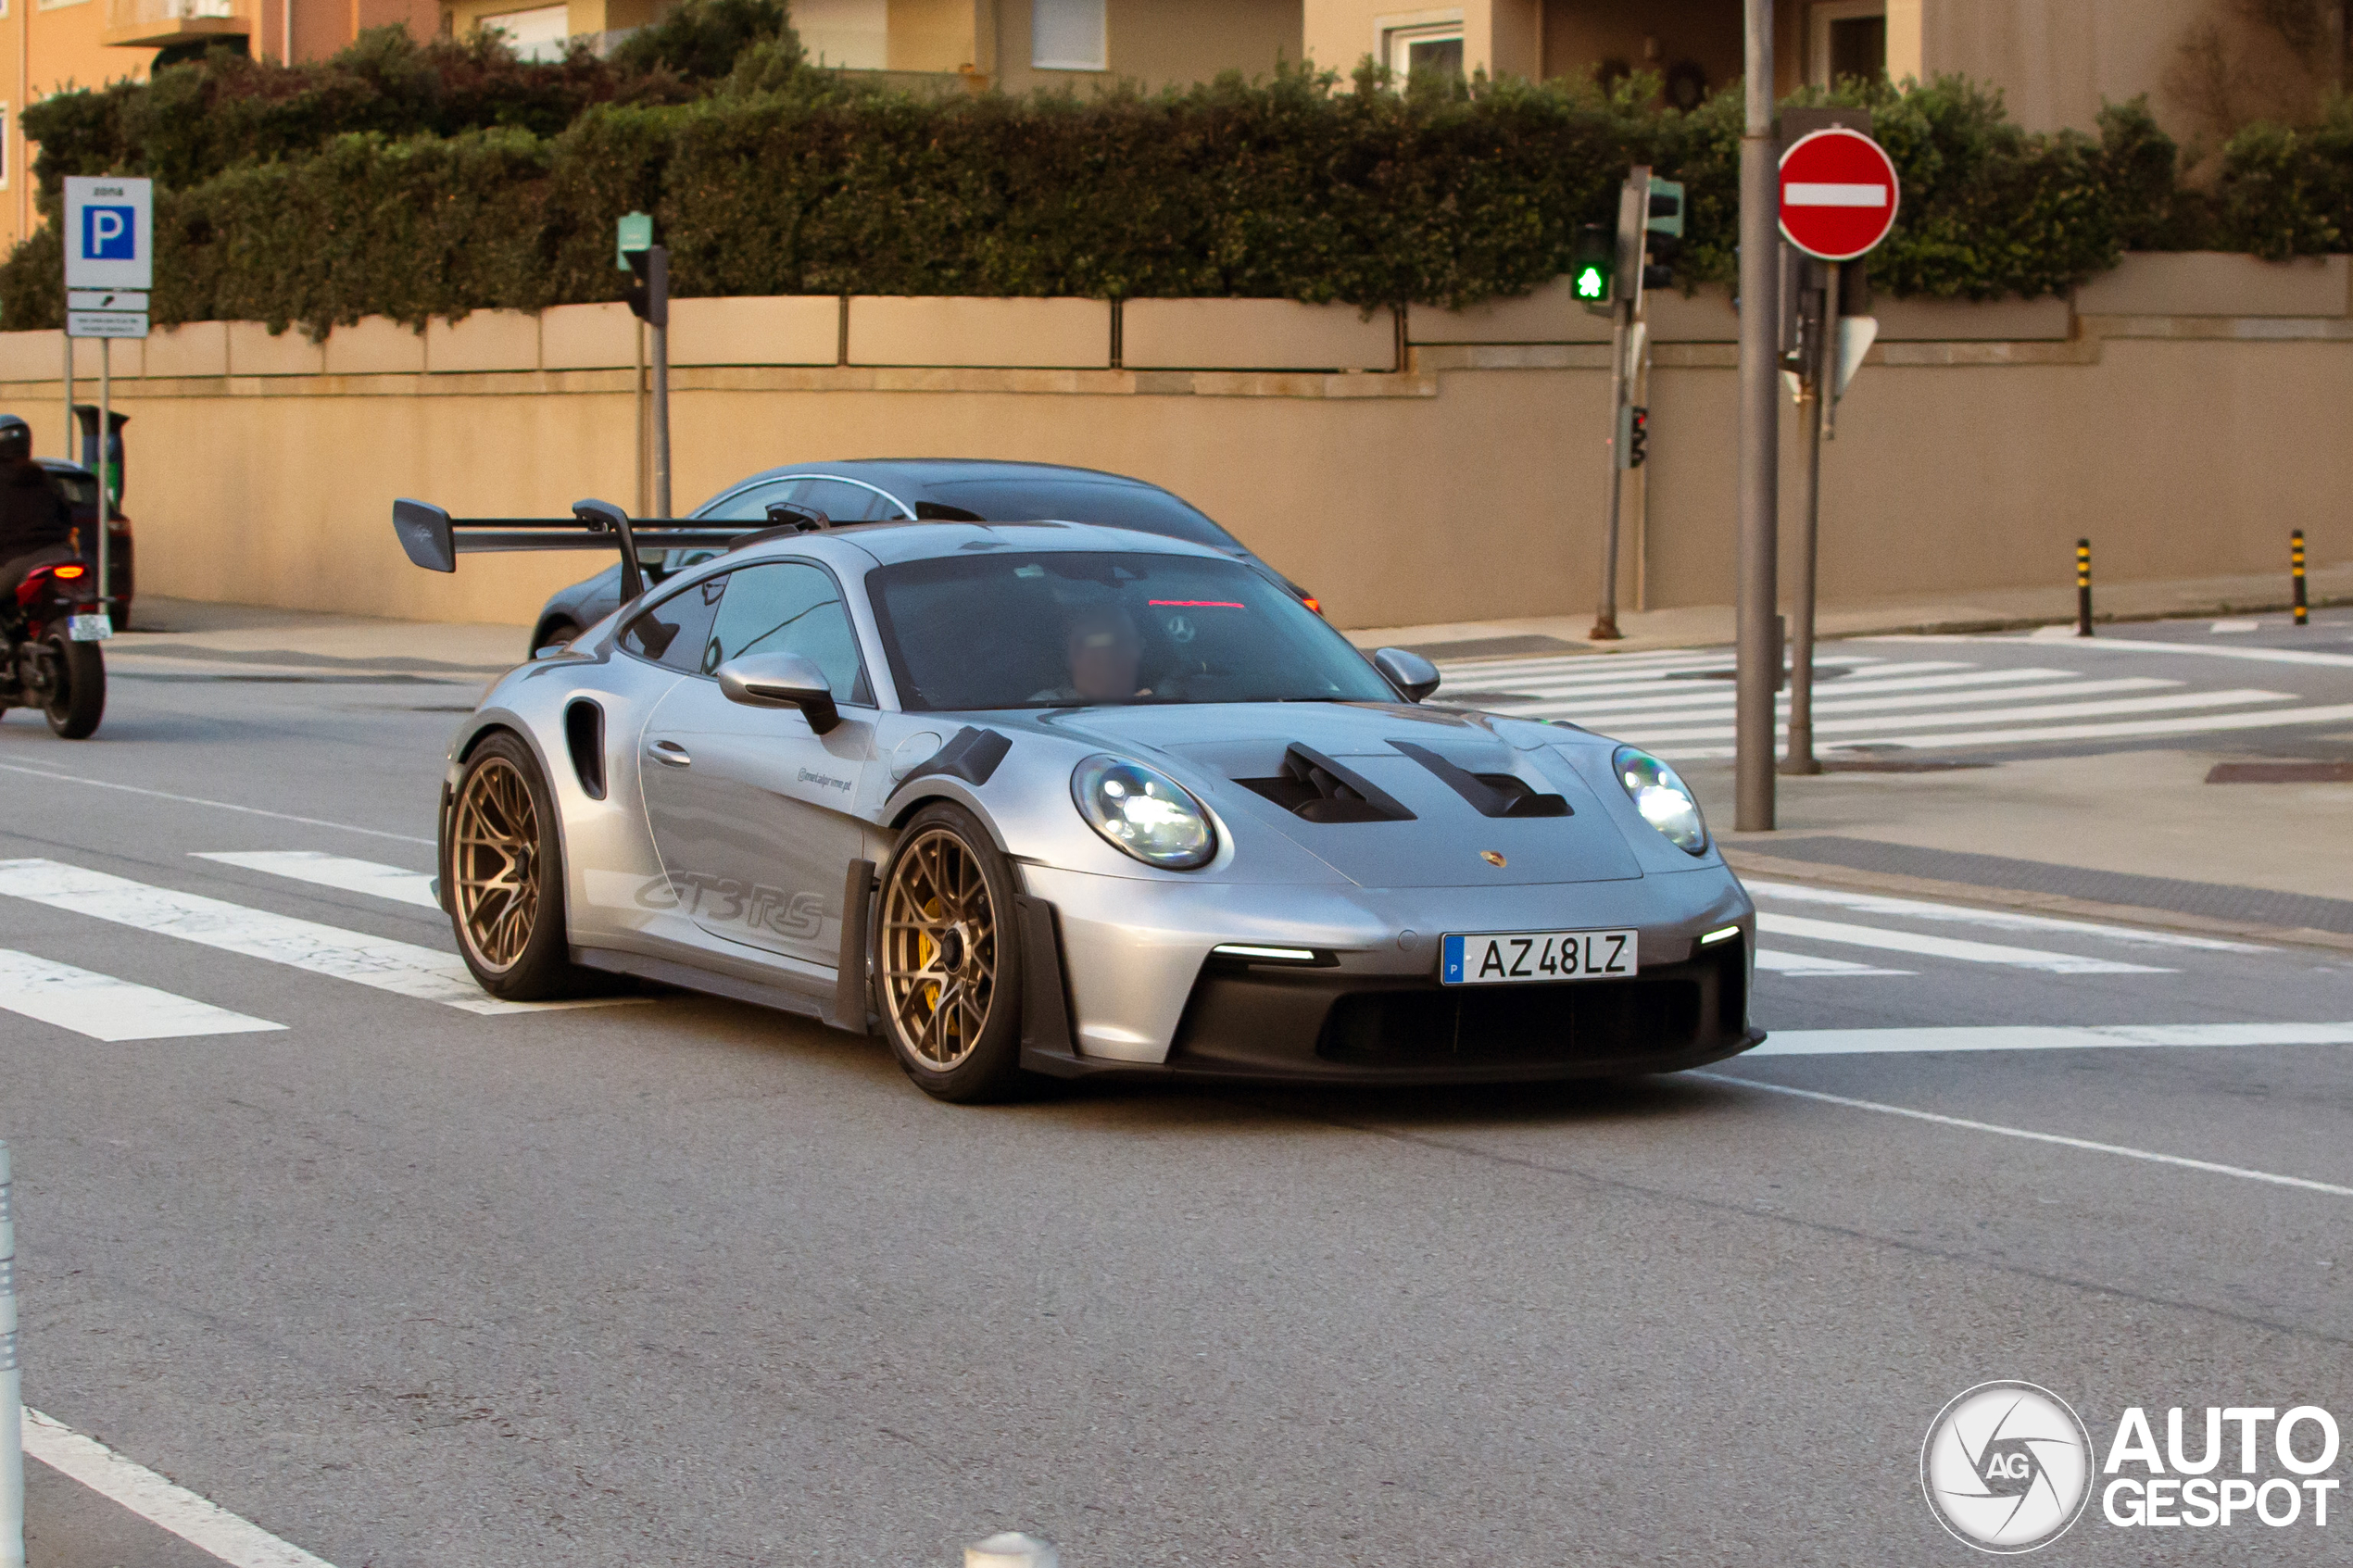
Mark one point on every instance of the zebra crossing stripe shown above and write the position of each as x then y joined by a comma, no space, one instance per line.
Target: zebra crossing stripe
2046,1037
339,871
1997,919
1815,965
1944,946
2272,719
1878,725
103,1008
1844,703
401,968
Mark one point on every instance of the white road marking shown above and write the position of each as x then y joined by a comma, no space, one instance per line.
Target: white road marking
2278,718
401,968
106,1009
1878,726
1944,946
1998,919
1815,964
2205,650
2044,1037
2085,1144
333,870
200,1522
1860,702
219,804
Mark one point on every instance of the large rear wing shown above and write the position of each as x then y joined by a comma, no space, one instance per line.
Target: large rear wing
434,539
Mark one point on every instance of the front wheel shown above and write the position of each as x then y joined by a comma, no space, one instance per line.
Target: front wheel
76,697
951,958
502,864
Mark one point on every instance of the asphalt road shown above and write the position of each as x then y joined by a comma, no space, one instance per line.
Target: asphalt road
682,1281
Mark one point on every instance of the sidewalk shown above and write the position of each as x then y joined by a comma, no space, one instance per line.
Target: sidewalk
1994,610
199,640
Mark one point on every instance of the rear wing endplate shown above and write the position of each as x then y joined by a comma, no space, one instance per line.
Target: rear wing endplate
434,539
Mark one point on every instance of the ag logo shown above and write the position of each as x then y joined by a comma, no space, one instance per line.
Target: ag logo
2007,1467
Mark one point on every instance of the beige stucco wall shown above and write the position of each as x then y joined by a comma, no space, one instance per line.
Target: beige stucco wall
1467,485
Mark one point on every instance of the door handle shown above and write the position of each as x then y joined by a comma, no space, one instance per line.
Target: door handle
670,753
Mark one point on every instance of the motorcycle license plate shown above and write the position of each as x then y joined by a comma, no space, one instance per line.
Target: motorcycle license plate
1517,958
89,628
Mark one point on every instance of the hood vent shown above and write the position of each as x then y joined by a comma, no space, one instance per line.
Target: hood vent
1491,795
1313,788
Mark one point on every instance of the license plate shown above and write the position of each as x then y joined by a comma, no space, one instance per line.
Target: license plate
1517,958
89,628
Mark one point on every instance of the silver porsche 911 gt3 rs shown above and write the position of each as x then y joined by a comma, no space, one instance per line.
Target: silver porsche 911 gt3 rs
1063,799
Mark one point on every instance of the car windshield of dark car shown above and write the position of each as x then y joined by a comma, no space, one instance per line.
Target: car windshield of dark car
1139,507
79,489
1057,629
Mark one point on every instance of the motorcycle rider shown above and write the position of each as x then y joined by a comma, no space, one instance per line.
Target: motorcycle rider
36,522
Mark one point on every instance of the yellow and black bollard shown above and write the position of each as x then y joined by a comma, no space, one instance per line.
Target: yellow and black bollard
2082,587
2295,572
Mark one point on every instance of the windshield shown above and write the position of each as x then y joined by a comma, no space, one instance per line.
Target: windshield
1074,629
1139,506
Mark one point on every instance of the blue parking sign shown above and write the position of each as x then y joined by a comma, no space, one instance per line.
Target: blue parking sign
110,233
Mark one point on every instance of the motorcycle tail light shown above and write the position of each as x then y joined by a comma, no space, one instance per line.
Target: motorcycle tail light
66,573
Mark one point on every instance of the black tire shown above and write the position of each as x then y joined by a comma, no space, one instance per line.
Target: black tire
78,701
502,875
946,909
558,631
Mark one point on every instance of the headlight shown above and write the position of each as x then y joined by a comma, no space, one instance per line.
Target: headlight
1148,814
1662,798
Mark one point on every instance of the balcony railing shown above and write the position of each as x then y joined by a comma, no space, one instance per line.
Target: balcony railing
154,22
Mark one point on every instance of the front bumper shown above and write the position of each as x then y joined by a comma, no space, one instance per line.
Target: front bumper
1377,1013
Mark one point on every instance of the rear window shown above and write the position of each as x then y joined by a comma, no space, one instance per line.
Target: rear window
1139,506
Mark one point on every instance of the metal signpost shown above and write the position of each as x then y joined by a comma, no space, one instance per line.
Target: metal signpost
1838,197
649,265
1647,206
1760,653
109,235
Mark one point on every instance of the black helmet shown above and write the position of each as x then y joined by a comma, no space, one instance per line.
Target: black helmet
16,439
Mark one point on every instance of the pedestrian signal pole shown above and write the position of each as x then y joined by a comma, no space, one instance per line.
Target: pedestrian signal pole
1649,211
1760,664
649,265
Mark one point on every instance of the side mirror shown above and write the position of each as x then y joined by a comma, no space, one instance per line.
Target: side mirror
1409,672
781,680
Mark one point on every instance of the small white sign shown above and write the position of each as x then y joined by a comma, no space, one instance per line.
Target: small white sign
110,241
105,323
89,628
107,299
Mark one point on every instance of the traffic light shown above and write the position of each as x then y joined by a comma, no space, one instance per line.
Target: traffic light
1593,268
1638,436
1661,231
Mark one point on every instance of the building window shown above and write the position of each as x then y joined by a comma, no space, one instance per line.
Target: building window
538,33
1435,47
1846,38
1068,35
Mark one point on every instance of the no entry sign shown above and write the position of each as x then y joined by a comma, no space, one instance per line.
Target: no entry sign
1838,194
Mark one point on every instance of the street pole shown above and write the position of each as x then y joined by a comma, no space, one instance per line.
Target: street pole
638,386
1760,653
1606,616
1815,388
106,428
70,432
658,318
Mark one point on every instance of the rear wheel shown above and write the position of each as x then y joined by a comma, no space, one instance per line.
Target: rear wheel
502,863
74,696
949,958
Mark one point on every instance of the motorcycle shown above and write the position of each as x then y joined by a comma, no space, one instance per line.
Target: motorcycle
49,655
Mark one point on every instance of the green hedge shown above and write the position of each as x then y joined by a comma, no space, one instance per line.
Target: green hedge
781,180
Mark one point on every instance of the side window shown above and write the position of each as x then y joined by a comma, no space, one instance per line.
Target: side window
844,502
672,633
750,504
786,606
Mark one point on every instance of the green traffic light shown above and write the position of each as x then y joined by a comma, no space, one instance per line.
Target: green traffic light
1592,284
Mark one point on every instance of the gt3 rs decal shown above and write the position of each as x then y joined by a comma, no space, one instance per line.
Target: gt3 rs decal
726,900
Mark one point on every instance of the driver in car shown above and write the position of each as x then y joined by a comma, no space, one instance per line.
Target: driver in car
1103,649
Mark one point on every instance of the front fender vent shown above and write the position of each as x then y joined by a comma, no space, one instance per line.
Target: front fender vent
1491,795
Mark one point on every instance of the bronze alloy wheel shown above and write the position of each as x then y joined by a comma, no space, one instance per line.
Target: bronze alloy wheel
494,864
939,950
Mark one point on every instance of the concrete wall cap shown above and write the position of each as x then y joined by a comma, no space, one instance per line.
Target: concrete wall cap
2207,282
1254,334
1013,333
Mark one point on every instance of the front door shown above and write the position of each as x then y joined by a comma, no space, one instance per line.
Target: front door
752,813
